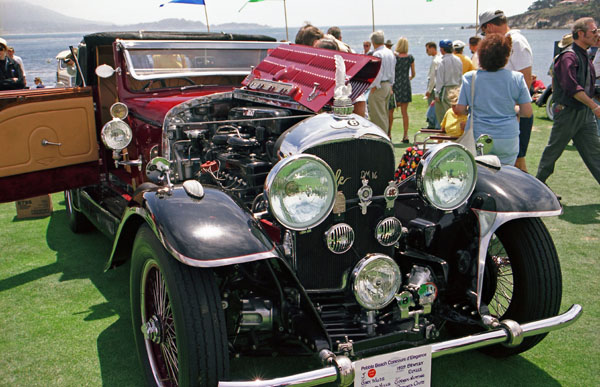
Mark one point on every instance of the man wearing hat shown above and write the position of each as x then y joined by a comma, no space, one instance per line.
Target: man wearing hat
447,77
575,111
458,46
11,76
521,60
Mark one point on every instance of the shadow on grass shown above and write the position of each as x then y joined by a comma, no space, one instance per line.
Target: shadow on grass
584,214
476,369
83,256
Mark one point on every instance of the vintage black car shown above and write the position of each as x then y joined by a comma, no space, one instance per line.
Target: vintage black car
261,216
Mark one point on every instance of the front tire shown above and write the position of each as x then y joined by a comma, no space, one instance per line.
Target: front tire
527,283
178,320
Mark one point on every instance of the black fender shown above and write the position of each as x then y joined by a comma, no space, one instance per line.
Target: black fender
209,232
509,189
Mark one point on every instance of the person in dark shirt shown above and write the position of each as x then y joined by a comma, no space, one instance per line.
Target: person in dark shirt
11,75
575,111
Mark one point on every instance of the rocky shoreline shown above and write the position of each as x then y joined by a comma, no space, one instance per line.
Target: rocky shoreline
561,16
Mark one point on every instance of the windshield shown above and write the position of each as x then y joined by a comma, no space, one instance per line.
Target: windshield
147,60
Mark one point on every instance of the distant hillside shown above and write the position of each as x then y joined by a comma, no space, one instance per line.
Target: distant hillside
558,16
20,17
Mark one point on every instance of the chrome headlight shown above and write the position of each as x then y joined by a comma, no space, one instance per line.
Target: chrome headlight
116,134
301,191
375,281
446,178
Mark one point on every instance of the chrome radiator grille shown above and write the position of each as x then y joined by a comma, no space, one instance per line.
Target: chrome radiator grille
352,160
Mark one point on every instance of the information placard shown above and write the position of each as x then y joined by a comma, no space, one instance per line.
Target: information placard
406,368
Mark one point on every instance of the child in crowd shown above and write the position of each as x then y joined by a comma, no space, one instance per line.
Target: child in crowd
453,124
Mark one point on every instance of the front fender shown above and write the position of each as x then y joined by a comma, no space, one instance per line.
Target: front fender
515,191
208,232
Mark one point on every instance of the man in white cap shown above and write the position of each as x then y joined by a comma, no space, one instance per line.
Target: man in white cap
381,88
11,76
521,59
459,46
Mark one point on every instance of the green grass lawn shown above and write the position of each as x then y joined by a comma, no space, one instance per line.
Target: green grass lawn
65,322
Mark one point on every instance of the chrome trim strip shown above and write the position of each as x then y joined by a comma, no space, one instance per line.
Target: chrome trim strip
496,336
484,239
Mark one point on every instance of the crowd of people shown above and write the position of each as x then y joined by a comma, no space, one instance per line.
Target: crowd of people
489,92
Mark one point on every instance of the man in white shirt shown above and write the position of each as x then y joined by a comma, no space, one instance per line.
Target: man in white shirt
431,50
381,88
473,46
447,78
16,58
521,60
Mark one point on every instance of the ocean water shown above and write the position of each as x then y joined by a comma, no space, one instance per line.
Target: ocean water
39,51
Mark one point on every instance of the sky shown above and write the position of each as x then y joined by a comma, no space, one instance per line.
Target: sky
271,12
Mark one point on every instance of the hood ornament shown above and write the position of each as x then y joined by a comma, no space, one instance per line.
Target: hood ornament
342,104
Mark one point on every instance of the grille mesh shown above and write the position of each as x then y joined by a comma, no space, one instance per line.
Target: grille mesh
317,267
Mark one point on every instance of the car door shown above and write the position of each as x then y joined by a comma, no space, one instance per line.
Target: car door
48,141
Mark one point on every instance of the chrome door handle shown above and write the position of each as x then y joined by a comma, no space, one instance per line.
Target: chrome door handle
46,142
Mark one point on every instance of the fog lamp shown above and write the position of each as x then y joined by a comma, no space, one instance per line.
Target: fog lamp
339,238
375,281
388,231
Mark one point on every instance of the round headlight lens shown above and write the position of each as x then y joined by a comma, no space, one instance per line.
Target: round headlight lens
446,178
301,191
375,281
119,110
116,134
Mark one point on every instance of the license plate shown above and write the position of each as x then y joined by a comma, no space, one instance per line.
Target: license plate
406,368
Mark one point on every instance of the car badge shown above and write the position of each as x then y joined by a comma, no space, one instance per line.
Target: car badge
339,206
390,194
365,194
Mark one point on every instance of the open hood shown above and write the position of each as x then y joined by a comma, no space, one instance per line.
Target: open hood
307,74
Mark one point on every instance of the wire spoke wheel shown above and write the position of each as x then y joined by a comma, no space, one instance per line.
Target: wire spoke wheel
177,316
157,326
522,279
499,264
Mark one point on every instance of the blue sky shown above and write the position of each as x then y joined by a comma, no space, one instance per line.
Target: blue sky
271,12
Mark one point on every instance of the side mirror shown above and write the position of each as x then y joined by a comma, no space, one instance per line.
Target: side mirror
157,168
485,143
104,71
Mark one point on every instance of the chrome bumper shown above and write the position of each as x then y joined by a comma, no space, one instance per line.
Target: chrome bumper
509,333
